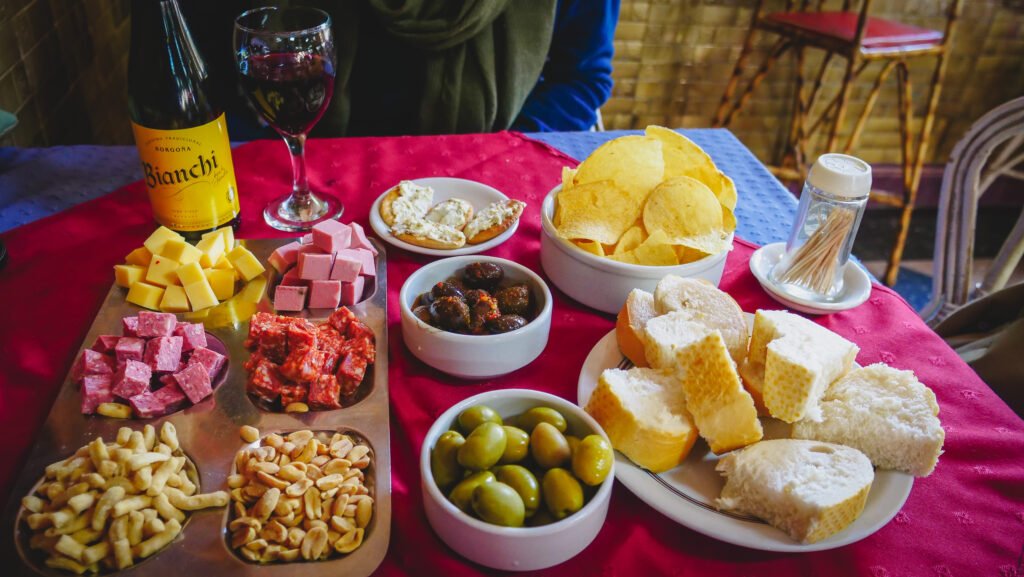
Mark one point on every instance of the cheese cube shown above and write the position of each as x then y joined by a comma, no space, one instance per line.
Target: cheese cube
245,263
223,263
156,241
212,248
253,291
181,251
174,300
162,271
225,232
222,282
190,273
140,256
128,274
200,294
145,295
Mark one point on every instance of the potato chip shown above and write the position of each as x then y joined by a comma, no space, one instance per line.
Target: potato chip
687,255
728,219
630,239
599,211
684,158
682,207
656,251
567,176
727,192
590,246
634,163
627,257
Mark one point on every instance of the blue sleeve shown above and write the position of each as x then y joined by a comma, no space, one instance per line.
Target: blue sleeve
577,77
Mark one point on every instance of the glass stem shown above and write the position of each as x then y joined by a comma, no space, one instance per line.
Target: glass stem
300,186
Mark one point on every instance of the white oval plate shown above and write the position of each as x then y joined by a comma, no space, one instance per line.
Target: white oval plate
687,493
856,283
476,193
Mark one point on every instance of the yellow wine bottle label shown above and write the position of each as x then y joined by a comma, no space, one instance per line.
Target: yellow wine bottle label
189,175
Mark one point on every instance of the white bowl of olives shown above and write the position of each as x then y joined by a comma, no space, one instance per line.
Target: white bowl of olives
516,479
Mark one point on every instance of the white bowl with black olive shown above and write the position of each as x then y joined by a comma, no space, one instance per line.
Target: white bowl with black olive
455,323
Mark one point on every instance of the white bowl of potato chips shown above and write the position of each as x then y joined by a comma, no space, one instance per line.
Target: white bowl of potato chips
638,208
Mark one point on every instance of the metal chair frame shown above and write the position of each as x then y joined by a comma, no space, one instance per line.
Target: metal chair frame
794,164
992,148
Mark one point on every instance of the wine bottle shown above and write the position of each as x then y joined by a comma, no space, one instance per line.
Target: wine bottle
180,130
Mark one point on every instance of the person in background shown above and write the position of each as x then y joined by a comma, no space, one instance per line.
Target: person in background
440,66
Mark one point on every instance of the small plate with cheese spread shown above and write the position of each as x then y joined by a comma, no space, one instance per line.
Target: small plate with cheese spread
444,216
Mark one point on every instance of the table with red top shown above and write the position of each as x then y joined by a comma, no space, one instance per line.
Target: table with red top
966,519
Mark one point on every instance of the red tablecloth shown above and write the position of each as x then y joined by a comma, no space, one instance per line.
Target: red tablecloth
967,519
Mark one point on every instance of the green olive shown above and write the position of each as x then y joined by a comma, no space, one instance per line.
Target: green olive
462,495
541,518
593,460
548,446
444,459
574,443
517,445
483,447
530,419
499,504
524,482
475,416
563,494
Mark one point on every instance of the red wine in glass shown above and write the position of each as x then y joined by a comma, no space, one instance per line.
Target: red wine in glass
291,91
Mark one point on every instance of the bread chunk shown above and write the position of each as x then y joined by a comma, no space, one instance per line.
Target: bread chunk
809,489
707,305
884,412
630,323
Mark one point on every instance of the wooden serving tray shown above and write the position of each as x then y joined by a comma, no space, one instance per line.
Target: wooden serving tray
209,435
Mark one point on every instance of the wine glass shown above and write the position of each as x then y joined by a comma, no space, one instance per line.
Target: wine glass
285,60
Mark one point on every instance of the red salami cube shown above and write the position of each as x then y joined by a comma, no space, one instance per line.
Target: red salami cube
128,326
132,379
341,318
293,394
329,339
330,361
163,354
153,324
302,335
105,343
257,324
96,389
195,381
167,380
303,365
171,396
193,335
363,347
92,363
352,368
273,343
129,349
212,361
357,330
324,393
265,381
147,405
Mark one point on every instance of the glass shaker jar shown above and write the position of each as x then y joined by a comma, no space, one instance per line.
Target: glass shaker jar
831,206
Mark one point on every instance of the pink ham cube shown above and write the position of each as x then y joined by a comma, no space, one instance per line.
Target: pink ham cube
105,343
146,405
171,396
128,326
193,335
212,361
331,236
96,389
163,354
359,239
310,248
306,238
289,298
352,292
195,382
285,256
315,266
155,324
132,379
129,349
291,278
365,258
92,363
325,294
347,266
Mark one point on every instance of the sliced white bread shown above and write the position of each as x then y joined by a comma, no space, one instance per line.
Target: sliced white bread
629,325
796,360
722,410
644,413
707,305
809,489
884,412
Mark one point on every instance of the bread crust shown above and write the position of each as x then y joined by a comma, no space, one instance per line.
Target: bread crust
427,242
493,231
387,213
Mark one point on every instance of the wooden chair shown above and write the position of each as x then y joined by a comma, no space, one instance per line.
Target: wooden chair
862,40
993,148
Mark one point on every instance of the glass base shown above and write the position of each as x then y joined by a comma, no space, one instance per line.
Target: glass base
297,214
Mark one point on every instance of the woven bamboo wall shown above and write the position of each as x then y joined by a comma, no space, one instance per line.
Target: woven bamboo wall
673,59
